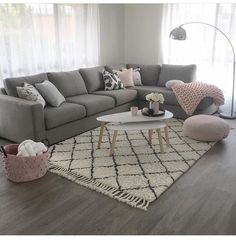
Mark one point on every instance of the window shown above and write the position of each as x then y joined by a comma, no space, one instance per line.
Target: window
47,37
204,46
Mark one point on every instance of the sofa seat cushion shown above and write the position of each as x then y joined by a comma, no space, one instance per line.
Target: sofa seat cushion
69,83
65,113
120,96
93,103
169,96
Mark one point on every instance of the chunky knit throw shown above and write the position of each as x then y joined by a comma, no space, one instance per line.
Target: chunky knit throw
190,95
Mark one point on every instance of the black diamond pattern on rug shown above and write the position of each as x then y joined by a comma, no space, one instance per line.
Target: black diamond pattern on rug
136,168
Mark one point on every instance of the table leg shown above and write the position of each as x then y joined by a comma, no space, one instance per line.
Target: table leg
150,136
101,135
160,140
167,135
113,143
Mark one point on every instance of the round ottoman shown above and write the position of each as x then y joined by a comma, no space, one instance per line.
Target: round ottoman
206,128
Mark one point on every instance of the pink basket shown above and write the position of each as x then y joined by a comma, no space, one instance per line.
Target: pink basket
24,169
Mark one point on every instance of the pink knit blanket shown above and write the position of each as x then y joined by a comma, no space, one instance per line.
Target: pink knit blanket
190,95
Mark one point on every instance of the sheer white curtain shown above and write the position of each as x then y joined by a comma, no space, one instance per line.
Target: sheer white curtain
205,47
47,37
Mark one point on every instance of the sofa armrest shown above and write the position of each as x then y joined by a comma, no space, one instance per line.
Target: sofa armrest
21,119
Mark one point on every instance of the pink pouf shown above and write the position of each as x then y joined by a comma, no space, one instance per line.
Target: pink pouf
206,128
24,169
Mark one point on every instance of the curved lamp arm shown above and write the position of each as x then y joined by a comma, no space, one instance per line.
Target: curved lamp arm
231,116
216,29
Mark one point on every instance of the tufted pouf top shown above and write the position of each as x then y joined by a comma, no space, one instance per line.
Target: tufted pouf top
206,128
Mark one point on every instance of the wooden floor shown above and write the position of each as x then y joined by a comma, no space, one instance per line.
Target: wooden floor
202,201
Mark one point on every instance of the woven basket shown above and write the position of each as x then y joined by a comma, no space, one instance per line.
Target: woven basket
24,169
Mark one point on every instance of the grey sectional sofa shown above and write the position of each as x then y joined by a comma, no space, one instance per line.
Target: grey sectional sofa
86,99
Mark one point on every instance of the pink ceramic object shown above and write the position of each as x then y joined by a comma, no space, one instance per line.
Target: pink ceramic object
206,128
24,169
134,110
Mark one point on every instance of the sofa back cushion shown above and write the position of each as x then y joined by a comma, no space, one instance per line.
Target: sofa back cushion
149,73
93,78
186,73
69,83
118,66
10,84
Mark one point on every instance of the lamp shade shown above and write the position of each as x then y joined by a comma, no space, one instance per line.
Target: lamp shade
178,34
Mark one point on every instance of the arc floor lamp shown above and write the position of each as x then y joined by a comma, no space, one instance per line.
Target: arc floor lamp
179,33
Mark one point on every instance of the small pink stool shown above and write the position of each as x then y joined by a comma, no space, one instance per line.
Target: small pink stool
24,169
206,128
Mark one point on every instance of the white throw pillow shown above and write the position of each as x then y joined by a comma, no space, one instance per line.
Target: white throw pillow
29,92
170,84
126,77
136,76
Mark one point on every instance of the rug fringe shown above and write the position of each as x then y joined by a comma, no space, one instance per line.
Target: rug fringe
112,192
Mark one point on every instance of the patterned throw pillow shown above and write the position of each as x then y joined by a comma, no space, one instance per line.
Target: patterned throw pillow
29,92
136,76
112,81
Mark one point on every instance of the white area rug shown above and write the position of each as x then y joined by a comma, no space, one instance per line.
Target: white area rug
137,174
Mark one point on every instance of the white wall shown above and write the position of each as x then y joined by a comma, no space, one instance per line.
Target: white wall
112,33
130,33
142,33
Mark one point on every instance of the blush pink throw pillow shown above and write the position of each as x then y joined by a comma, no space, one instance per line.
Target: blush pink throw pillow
126,77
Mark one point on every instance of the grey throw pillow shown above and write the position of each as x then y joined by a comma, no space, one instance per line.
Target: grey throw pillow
28,92
186,73
50,93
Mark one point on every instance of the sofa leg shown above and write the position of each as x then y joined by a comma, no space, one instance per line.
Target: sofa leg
46,142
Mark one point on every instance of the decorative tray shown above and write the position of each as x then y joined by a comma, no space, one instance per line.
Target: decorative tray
160,113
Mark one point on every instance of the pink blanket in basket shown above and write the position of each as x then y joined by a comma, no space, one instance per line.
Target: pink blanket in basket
190,95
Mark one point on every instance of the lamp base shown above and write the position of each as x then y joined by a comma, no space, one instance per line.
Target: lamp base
227,116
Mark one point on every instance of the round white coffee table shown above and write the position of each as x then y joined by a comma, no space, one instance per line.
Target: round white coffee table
125,121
